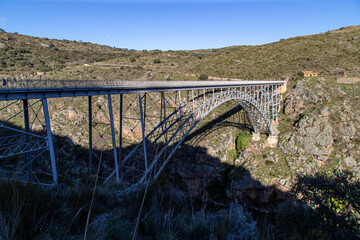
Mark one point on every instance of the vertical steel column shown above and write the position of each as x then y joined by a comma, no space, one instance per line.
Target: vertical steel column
50,140
176,101
180,110
265,98
192,96
144,113
120,131
278,100
265,105
143,134
113,139
272,102
90,134
204,96
163,112
27,138
268,102
179,95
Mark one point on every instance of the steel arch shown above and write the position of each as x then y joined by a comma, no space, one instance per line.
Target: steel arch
192,118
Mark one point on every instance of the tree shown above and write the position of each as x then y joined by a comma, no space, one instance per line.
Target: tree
203,77
329,207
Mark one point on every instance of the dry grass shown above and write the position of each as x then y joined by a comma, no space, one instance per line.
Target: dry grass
65,59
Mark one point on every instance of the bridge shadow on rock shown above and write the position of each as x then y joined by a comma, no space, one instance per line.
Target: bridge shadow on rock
219,122
205,176
198,188
218,183
192,169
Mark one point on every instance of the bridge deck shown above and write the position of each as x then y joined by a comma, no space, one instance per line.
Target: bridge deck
31,89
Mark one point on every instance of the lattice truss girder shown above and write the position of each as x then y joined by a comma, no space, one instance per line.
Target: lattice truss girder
24,140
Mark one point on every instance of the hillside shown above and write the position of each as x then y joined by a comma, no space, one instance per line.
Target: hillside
63,59
220,184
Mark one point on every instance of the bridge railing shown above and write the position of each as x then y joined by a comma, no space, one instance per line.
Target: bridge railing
37,83
48,84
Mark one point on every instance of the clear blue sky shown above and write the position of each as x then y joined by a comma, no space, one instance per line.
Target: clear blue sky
176,24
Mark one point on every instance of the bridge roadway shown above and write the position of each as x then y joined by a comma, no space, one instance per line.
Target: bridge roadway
35,89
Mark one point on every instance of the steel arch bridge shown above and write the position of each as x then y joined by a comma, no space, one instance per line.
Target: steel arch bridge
154,118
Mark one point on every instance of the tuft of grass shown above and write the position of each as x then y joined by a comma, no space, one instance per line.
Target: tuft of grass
198,228
26,210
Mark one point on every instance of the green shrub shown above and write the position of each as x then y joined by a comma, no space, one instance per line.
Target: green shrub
203,77
233,154
156,60
242,141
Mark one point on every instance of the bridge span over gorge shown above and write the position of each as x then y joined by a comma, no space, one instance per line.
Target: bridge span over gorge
150,119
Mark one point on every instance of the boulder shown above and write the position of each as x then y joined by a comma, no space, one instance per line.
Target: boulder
350,161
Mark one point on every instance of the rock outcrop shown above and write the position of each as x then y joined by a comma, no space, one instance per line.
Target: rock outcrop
325,130
298,98
315,136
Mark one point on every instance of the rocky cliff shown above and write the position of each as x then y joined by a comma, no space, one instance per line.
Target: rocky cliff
319,132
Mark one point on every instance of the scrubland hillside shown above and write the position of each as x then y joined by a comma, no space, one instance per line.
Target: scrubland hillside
220,184
325,53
